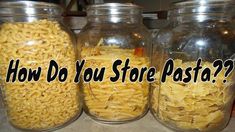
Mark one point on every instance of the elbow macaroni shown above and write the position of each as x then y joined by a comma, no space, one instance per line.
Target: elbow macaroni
114,101
38,105
199,106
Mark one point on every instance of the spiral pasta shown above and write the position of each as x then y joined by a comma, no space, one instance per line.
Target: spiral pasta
114,101
199,105
38,105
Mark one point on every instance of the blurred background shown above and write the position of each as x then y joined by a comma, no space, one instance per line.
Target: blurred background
79,6
155,11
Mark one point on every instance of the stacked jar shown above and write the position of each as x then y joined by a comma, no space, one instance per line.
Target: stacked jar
32,33
199,30
115,31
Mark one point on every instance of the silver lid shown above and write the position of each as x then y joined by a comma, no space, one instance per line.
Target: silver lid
29,8
114,9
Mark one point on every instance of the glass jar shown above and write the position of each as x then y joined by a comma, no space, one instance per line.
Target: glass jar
115,31
32,32
198,29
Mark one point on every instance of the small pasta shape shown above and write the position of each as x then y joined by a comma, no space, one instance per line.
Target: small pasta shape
38,105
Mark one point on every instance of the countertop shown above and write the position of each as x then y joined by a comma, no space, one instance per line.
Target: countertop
86,124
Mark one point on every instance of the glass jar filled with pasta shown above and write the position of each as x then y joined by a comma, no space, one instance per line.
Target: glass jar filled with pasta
115,32
31,38
191,92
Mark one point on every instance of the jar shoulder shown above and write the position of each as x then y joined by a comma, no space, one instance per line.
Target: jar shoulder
124,35
215,39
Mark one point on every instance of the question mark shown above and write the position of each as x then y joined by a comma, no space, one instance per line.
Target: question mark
219,65
229,65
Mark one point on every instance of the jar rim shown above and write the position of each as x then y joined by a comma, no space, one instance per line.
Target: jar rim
29,8
114,9
114,5
201,10
202,6
201,3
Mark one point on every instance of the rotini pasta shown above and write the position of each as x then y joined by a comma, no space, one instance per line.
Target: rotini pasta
114,101
38,105
199,105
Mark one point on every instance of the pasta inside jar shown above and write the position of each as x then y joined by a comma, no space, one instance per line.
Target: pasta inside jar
191,106
114,101
38,105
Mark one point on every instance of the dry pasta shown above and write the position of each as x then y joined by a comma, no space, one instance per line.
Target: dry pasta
114,101
38,105
199,105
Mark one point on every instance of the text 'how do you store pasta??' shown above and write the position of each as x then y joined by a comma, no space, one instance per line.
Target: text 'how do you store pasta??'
122,71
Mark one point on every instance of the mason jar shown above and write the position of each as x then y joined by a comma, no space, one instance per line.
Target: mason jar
32,33
199,30
115,32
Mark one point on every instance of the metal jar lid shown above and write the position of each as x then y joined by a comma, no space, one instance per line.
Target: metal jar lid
29,8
